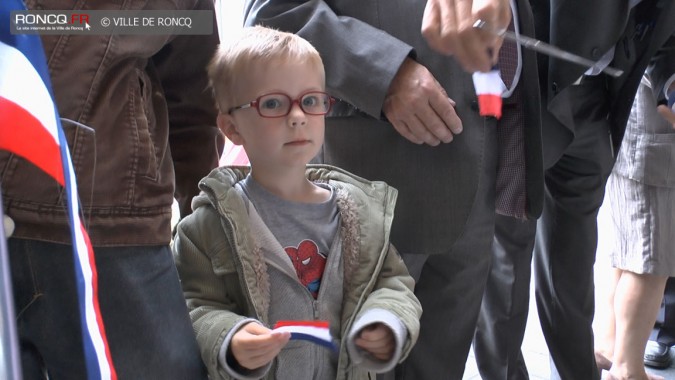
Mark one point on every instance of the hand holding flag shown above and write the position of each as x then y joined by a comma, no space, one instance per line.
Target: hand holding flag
314,331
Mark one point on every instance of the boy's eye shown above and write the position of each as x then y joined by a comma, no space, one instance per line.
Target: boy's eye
310,101
271,103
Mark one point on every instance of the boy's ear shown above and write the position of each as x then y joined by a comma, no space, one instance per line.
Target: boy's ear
227,125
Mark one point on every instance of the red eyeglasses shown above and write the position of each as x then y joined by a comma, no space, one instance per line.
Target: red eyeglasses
278,104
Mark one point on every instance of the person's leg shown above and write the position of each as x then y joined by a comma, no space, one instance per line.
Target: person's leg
567,239
636,304
32,365
662,337
606,330
503,315
46,304
145,314
664,331
450,289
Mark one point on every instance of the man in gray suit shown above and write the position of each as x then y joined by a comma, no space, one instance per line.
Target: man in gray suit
584,118
399,120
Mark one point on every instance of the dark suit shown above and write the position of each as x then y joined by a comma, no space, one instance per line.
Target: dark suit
445,209
583,124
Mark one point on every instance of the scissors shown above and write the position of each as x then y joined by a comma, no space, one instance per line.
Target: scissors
543,47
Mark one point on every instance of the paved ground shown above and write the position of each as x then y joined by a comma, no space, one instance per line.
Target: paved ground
534,346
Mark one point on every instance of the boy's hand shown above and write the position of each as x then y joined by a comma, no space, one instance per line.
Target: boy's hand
254,345
378,340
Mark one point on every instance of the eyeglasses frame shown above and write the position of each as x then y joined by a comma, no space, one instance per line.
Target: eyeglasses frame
256,104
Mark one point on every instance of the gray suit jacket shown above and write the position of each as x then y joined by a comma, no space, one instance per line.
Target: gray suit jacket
363,43
590,28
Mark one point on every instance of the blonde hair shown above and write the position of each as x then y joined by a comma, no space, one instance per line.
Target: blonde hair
253,45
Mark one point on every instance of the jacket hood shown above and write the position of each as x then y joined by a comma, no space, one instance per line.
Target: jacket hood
216,187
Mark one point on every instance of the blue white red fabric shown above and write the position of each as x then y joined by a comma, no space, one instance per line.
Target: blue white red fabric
489,88
314,331
31,129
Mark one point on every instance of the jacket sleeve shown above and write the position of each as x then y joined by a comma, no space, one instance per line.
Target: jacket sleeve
214,300
194,141
393,292
360,59
662,69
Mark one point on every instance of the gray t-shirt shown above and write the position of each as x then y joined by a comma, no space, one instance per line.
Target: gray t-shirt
305,230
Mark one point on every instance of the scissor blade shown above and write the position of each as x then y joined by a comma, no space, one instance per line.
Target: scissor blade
548,49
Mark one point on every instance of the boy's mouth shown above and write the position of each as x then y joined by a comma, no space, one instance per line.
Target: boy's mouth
298,142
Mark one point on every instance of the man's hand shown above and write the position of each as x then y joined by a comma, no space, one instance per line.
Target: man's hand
448,27
667,114
419,108
254,345
378,340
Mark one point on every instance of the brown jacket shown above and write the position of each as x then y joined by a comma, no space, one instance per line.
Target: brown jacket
143,114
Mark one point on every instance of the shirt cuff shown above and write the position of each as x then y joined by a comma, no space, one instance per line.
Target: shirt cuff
669,94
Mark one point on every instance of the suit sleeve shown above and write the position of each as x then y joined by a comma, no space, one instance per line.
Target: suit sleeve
360,59
662,69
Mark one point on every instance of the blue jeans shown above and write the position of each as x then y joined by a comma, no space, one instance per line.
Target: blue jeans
144,312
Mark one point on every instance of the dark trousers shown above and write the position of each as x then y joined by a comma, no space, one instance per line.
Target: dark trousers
664,330
450,288
564,254
503,315
567,239
144,312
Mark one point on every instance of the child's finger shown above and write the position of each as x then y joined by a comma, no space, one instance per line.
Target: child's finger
374,332
381,351
256,329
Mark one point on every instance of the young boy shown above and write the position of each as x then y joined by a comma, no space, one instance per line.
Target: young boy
287,241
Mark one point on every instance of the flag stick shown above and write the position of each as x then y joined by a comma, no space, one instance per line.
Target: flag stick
10,359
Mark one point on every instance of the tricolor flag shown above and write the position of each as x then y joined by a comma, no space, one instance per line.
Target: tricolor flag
31,129
314,331
489,88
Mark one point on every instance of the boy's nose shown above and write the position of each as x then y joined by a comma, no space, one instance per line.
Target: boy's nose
298,123
297,116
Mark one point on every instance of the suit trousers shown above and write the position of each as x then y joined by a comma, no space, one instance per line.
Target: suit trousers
564,254
664,330
567,237
450,287
503,315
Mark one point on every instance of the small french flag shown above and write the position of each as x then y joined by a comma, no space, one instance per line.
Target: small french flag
314,331
489,88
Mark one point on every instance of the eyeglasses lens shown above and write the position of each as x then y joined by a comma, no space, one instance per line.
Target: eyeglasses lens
276,105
